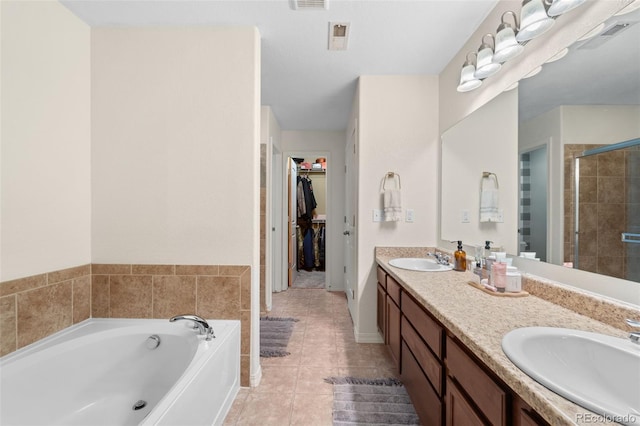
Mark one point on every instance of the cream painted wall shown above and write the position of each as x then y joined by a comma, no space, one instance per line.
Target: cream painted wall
484,141
314,144
175,145
45,151
600,124
398,131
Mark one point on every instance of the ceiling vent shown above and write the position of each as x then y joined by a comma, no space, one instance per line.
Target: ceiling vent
607,34
338,35
309,4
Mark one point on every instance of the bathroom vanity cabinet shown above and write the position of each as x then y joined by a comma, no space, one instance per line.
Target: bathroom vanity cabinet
448,385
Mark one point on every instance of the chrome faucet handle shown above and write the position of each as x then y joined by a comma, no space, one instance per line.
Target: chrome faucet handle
634,336
633,323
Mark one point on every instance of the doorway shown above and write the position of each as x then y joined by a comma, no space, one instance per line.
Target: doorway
533,202
307,199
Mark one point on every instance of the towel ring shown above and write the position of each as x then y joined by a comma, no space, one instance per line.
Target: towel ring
487,175
390,176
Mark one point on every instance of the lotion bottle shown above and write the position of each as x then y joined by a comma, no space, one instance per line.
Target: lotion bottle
460,259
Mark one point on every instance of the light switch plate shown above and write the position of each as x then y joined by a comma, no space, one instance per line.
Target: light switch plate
464,216
409,215
377,215
500,216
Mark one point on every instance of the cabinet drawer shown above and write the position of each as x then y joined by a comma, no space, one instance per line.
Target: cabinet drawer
381,312
459,411
382,278
426,360
393,289
426,326
424,399
487,395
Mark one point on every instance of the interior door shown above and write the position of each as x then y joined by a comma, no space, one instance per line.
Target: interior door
350,229
292,181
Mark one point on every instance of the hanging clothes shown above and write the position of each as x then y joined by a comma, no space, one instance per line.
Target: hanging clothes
305,199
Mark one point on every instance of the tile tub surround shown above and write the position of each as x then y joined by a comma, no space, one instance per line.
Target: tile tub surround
35,307
480,321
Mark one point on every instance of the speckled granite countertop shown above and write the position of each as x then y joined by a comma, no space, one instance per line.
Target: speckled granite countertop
480,321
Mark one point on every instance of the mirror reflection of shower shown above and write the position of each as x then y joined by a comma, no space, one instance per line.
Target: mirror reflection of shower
606,190
532,225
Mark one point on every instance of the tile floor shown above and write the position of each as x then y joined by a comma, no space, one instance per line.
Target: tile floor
292,390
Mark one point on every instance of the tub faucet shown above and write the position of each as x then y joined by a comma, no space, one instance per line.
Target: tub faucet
204,329
634,336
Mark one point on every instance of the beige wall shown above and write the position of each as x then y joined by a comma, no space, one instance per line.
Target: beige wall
175,151
398,131
485,141
45,190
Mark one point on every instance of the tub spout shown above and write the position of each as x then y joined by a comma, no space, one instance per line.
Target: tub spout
204,329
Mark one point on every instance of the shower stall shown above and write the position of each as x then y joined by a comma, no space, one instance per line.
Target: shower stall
607,210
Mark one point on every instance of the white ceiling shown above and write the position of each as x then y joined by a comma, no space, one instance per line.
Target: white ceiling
308,86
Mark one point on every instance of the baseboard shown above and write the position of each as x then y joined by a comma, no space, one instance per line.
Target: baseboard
369,338
255,378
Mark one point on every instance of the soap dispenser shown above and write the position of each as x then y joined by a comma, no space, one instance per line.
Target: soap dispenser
460,259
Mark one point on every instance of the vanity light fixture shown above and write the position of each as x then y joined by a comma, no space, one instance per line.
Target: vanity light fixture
558,7
486,66
534,20
468,80
506,45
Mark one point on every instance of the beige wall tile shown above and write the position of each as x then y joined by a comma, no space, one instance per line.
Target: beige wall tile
219,297
110,269
232,270
81,298
173,295
100,296
245,332
245,291
8,324
197,270
153,269
245,368
130,296
68,274
22,284
44,311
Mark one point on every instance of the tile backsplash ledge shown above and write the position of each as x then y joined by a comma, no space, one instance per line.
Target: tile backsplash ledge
35,307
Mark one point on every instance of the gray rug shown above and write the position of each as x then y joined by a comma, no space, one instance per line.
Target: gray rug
274,336
371,402
309,279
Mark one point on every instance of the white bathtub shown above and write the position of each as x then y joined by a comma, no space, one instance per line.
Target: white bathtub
95,372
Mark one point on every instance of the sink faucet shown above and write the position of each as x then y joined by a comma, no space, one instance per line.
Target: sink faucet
634,336
204,329
442,259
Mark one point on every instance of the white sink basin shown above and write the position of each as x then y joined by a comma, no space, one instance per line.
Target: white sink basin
418,264
598,372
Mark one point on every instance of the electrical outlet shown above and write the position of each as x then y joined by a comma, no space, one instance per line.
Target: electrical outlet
377,215
464,216
409,215
500,216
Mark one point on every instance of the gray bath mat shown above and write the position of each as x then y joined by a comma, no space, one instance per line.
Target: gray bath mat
274,336
371,402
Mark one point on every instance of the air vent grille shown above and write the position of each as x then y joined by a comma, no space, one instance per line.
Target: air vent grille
309,4
607,34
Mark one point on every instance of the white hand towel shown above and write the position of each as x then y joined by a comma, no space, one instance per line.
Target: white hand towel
489,202
392,205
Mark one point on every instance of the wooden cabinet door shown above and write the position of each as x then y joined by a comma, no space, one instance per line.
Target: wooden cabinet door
393,329
381,312
459,411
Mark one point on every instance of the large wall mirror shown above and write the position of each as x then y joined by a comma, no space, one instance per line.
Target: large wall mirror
586,97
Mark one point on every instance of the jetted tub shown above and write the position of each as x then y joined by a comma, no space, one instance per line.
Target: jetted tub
107,372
